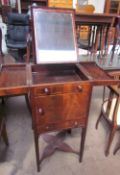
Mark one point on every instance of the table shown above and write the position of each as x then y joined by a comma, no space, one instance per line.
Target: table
99,25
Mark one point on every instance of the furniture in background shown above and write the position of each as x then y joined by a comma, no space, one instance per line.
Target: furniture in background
98,38
61,4
84,35
17,32
116,41
26,3
112,6
110,111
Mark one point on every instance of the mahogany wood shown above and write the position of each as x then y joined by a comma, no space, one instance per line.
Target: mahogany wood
58,106
60,102
59,96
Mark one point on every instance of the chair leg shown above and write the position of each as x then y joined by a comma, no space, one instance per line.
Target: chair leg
110,139
83,135
117,148
36,137
4,135
96,126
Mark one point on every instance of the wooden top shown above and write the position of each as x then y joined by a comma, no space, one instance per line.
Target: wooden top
17,79
94,18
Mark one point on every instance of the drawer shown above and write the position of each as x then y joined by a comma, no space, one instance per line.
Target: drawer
60,89
60,126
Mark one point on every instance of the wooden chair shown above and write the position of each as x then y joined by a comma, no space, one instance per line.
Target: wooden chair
110,111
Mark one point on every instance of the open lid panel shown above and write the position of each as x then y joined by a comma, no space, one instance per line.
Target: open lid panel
54,39
96,75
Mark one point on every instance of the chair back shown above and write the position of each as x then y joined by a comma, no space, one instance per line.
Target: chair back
111,106
18,28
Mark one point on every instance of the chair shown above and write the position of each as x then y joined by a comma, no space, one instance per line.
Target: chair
110,111
18,29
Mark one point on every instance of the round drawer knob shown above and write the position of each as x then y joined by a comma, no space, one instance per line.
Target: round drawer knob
47,127
79,88
41,111
46,91
76,123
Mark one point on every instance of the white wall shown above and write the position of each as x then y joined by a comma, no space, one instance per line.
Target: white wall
99,5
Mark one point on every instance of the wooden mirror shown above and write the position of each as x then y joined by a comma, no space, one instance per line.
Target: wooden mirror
54,35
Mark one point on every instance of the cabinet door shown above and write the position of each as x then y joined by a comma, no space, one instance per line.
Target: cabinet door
61,108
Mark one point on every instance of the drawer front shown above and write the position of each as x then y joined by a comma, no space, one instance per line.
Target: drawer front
59,126
60,89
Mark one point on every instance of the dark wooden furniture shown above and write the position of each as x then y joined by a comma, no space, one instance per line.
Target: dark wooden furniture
60,94
99,30
17,33
55,92
60,99
67,85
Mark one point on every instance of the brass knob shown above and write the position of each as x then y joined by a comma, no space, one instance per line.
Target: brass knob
79,88
47,91
41,111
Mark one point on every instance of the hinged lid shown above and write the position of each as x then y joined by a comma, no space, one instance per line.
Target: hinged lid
54,39
96,75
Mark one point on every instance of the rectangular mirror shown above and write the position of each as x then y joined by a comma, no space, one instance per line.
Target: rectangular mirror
54,35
